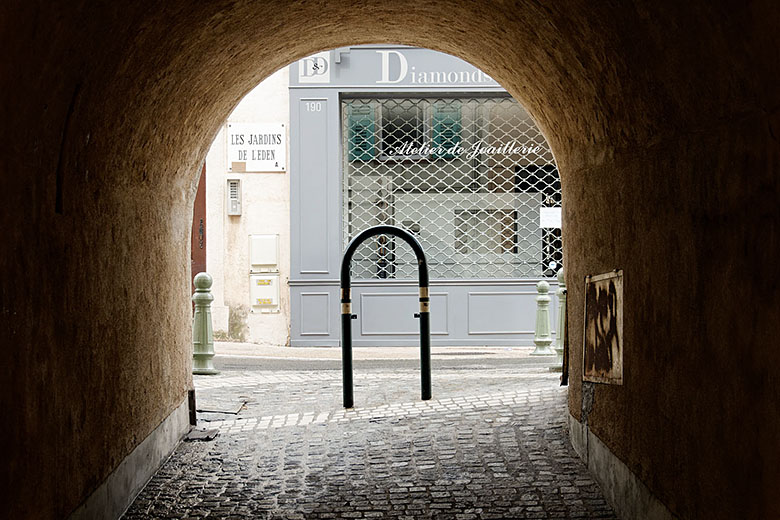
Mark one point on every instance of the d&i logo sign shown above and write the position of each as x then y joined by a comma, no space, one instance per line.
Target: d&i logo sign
315,68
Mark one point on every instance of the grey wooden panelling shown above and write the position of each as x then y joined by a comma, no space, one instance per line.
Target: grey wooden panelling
313,186
506,312
392,313
315,314
460,315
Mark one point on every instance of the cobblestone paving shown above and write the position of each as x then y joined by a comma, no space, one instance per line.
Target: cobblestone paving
491,444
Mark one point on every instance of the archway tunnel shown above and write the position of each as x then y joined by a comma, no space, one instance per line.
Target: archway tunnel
664,121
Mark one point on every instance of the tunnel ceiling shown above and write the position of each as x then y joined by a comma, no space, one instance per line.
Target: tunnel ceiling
598,77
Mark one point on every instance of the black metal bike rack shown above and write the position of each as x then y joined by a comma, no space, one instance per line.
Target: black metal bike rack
347,316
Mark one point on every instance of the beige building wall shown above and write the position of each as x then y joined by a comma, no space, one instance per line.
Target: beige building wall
265,200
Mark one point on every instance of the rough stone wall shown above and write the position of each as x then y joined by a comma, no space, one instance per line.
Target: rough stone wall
664,120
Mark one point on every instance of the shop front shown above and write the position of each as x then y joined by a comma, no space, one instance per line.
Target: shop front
409,137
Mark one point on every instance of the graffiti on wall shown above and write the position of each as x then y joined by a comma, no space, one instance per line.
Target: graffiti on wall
603,337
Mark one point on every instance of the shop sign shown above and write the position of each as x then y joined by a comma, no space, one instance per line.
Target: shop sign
372,67
315,69
396,68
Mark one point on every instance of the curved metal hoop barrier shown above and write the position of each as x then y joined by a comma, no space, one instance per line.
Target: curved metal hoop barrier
347,316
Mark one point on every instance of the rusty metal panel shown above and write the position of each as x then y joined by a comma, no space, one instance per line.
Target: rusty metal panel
198,235
603,336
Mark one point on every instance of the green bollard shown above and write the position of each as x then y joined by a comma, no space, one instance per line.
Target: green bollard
202,334
543,334
561,323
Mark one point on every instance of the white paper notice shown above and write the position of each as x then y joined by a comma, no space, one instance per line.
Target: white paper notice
550,217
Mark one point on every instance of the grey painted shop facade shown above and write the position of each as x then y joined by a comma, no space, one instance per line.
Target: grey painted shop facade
424,141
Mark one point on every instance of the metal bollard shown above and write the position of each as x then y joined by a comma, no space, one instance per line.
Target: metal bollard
559,335
542,334
346,310
202,334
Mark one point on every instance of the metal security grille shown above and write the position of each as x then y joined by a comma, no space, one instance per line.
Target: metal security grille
466,175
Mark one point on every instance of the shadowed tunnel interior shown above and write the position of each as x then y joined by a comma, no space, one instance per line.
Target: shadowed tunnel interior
664,120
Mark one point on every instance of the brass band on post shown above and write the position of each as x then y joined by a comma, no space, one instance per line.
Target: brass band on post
346,303
425,301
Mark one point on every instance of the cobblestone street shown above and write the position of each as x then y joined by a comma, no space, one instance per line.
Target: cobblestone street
491,444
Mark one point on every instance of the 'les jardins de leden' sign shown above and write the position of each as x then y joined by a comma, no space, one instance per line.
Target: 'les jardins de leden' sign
256,147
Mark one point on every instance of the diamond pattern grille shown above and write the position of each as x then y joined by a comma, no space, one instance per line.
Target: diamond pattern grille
426,165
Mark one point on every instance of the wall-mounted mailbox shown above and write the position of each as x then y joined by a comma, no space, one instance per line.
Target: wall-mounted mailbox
263,253
264,291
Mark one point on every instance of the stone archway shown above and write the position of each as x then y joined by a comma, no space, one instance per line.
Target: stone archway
663,118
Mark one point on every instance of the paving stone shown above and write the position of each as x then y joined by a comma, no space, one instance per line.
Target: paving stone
491,444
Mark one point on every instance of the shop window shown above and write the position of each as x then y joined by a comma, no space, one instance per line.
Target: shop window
544,179
446,128
362,132
480,231
475,211
402,128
